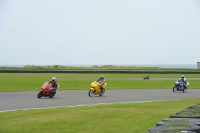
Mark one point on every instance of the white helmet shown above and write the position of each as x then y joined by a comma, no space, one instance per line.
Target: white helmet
101,77
53,79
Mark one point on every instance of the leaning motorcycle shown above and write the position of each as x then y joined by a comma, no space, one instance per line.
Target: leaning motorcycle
96,89
146,77
179,86
46,90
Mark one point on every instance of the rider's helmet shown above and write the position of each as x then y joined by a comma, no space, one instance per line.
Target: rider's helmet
182,76
101,77
53,79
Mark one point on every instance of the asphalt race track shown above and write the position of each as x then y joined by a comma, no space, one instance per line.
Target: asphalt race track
25,100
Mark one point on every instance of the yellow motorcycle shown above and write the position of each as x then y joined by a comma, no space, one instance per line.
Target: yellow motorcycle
96,90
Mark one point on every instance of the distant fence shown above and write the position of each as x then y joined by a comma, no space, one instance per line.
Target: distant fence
102,71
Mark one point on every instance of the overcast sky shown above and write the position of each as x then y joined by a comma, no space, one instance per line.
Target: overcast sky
99,32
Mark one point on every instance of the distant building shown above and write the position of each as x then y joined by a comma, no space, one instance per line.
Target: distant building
198,64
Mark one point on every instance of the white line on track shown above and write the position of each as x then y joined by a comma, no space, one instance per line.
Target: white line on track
79,105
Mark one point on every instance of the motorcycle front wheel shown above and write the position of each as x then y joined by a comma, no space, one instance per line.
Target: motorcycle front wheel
40,94
174,89
91,93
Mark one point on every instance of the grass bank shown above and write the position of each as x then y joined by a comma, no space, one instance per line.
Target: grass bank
33,82
114,118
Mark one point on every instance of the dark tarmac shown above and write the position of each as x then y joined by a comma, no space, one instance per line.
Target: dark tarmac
26,100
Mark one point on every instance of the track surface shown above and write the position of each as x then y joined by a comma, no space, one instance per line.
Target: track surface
24,100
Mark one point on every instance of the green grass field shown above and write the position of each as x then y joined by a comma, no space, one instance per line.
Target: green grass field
117,118
33,81
113,118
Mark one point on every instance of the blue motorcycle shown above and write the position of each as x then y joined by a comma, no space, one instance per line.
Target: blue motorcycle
180,86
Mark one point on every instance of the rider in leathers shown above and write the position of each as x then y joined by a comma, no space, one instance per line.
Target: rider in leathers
183,79
54,84
102,82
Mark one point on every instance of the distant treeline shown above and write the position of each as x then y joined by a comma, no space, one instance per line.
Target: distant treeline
95,67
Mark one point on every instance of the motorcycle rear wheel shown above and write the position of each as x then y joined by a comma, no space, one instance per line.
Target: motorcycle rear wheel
102,93
185,89
51,95
40,94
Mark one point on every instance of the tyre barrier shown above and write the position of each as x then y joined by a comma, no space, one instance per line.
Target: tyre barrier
186,114
195,106
181,121
176,128
100,71
185,121
192,110
171,132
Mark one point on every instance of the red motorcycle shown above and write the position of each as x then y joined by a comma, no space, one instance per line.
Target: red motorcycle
47,90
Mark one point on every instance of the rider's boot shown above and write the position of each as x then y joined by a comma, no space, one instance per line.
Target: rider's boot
102,89
54,91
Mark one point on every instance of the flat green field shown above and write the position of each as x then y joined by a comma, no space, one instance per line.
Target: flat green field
117,118
113,118
33,81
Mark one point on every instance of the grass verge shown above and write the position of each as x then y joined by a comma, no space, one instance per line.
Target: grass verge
113,118
33,82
